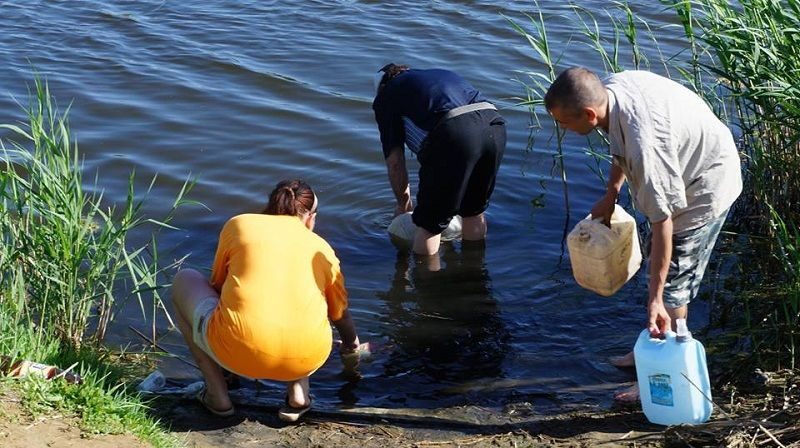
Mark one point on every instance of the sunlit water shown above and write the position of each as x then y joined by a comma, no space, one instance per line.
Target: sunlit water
243,94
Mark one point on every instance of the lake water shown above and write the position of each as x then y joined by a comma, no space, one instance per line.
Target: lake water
242,94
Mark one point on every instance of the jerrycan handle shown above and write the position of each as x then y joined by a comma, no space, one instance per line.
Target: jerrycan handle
666,336
598,226
584,234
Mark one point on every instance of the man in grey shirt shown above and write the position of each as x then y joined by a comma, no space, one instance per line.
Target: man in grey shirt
681,164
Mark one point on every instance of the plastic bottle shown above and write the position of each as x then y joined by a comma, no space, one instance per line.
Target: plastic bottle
604,258
153,382
28,368
673,377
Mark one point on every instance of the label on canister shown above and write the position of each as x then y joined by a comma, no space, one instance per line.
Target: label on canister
661,390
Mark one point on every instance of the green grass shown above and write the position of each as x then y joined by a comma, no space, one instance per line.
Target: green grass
748,52
64,245
66,265
101,405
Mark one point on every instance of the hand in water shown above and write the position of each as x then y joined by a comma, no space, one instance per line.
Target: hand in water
400,209
351,358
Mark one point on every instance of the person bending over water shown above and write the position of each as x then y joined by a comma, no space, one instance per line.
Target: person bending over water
264,313
681,164
459,139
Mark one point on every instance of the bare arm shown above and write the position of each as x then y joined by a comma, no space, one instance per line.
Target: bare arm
398,179
347,331
658,321
605,206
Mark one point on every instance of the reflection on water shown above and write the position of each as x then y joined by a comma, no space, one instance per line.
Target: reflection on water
243,94
445,324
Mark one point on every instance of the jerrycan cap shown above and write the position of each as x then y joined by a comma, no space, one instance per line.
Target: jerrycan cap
682,334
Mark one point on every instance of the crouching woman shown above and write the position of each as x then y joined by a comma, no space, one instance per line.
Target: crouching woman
265,313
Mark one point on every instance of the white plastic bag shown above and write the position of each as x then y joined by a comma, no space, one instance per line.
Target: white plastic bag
403,228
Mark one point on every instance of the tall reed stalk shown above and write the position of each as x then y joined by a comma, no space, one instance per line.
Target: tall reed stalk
617,43
538,84
752,50
743,57
64,255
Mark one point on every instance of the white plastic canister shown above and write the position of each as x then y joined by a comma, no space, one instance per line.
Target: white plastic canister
673,378
603,258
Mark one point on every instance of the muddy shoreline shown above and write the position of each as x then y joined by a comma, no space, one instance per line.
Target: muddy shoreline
761,411
376,427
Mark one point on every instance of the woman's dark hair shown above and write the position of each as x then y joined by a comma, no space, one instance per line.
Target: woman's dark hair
291,197
390,71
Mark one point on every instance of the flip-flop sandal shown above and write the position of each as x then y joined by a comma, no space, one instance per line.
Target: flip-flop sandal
201,397
291,414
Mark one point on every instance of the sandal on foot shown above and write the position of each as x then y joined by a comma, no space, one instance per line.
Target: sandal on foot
292,414
201,397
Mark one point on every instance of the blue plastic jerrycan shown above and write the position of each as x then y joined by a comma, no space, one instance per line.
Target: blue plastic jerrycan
673,377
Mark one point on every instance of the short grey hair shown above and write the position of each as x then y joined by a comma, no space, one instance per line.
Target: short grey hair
575,89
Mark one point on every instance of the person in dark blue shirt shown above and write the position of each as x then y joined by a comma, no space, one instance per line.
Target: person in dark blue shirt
458,138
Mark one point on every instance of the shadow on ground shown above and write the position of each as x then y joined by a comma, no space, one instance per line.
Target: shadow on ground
373,428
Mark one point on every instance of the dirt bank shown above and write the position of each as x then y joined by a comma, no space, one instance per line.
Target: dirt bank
764,414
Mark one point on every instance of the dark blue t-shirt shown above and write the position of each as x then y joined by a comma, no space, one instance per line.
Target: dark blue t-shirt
420,97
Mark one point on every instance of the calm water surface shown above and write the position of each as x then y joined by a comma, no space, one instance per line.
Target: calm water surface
242,94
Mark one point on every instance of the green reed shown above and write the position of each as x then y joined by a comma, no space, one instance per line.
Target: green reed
743,57
537,84
65,268
755,57
750,50
64,251
617,42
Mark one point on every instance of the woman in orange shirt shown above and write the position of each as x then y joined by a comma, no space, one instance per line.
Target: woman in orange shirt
265,312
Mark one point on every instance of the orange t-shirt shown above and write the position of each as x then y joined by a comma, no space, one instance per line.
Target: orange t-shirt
279,284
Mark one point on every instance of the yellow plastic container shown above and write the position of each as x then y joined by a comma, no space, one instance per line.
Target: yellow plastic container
603,259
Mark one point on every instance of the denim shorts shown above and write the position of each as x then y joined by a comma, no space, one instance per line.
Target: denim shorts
691,251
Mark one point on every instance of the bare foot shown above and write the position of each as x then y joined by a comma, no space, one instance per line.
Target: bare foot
622,361
297,395
628,396
213,403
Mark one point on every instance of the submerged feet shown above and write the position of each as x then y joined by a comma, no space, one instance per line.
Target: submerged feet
628,396
622,361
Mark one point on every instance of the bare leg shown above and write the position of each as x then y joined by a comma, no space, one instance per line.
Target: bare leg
298,402
625,360
298,393
473,228
426,243
189,288
680,312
